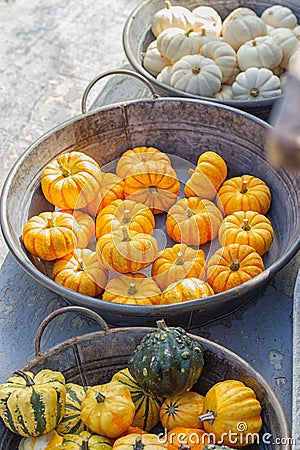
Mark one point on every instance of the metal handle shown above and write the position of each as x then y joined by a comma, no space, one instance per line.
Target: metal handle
115,72
58,312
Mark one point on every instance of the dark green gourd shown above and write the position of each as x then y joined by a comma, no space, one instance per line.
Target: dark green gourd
167,361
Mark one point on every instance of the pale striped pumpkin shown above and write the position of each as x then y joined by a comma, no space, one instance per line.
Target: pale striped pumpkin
48,441
71,422
84,440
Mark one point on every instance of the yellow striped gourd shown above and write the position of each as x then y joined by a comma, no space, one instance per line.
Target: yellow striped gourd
84,441
71,422
48,441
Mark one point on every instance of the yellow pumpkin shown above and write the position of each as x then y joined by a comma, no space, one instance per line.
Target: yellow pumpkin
139,442
119,213
71,422
186,290
193,221
127,251
232,409
85,231
49,441
210,173
185,438
108,409
155,185
247,227
233,265
244,193
132,289
111,188
72,180
182,411
133,160
50,235
176,263
81,271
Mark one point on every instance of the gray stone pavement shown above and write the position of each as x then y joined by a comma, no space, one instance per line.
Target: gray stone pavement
49,51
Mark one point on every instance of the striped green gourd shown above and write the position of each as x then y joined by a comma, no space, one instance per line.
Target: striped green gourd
71,422
84,441
147,407
33,405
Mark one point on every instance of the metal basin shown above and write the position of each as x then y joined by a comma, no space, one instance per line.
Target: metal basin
183,128
137,35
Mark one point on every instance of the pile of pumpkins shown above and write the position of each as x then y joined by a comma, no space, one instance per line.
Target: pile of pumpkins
153,391
100,237
245,57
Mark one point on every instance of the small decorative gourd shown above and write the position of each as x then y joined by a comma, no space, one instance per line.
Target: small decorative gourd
111,188
48,441
186,290
81,271
185,438
108,409
71,181
132,289
233,265
242,29
223,55
139,442
193,221
288,43
260,52
247,227
176,263
225,93
182,410
50,235
237,12
170,17
33,405
71,422
85,231
244,193
203,37
229,403
256,84
84,441
207,18
147,407
153,60
133,161
135,216
167,361
165,75
206,179
197,75
279,16
127,251
175,43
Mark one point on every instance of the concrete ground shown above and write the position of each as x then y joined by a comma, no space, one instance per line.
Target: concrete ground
49,51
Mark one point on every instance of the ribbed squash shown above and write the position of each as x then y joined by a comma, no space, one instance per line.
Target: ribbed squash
111,188
185,290
147,407
84,441
139,442
133,160
33,405
71,422
182,410
85,231
166,362
132,289
185,438
48,441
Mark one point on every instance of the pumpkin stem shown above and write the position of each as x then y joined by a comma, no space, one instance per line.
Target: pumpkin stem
126,237
143,158
99,397
132,290
246,225
209,417
80,263
126,216
168,4
235,265
85,443
138,445
189,212
254,92
189,32
153,190
254,44
244,188
191,171
179,260
65,171
27,378
143,54
196,70
50,222
161,325
184,446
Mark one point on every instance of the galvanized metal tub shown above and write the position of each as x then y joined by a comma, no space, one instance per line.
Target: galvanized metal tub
183,128
137,35
93,359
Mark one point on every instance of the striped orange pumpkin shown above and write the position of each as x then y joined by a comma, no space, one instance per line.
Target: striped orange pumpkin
182,411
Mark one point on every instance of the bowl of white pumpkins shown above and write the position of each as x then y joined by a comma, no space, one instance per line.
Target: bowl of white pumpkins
227,51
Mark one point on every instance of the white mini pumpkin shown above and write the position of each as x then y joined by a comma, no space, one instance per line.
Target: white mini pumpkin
260,52
172,17
225,93
207,18
197,75
256,84
296,31
175,43
233,76
165,75
288,43
279,16
242,29
223,55
202,37
237,12
153,61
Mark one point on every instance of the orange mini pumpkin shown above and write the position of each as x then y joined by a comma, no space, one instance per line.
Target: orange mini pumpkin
72,180
155,185
127,251
50,235
193,221
206,179
177,263
85,231
244,193
80,271
132,289
135,216
133,160
247,227
186,290
182,410
233,265
111,188
184,438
